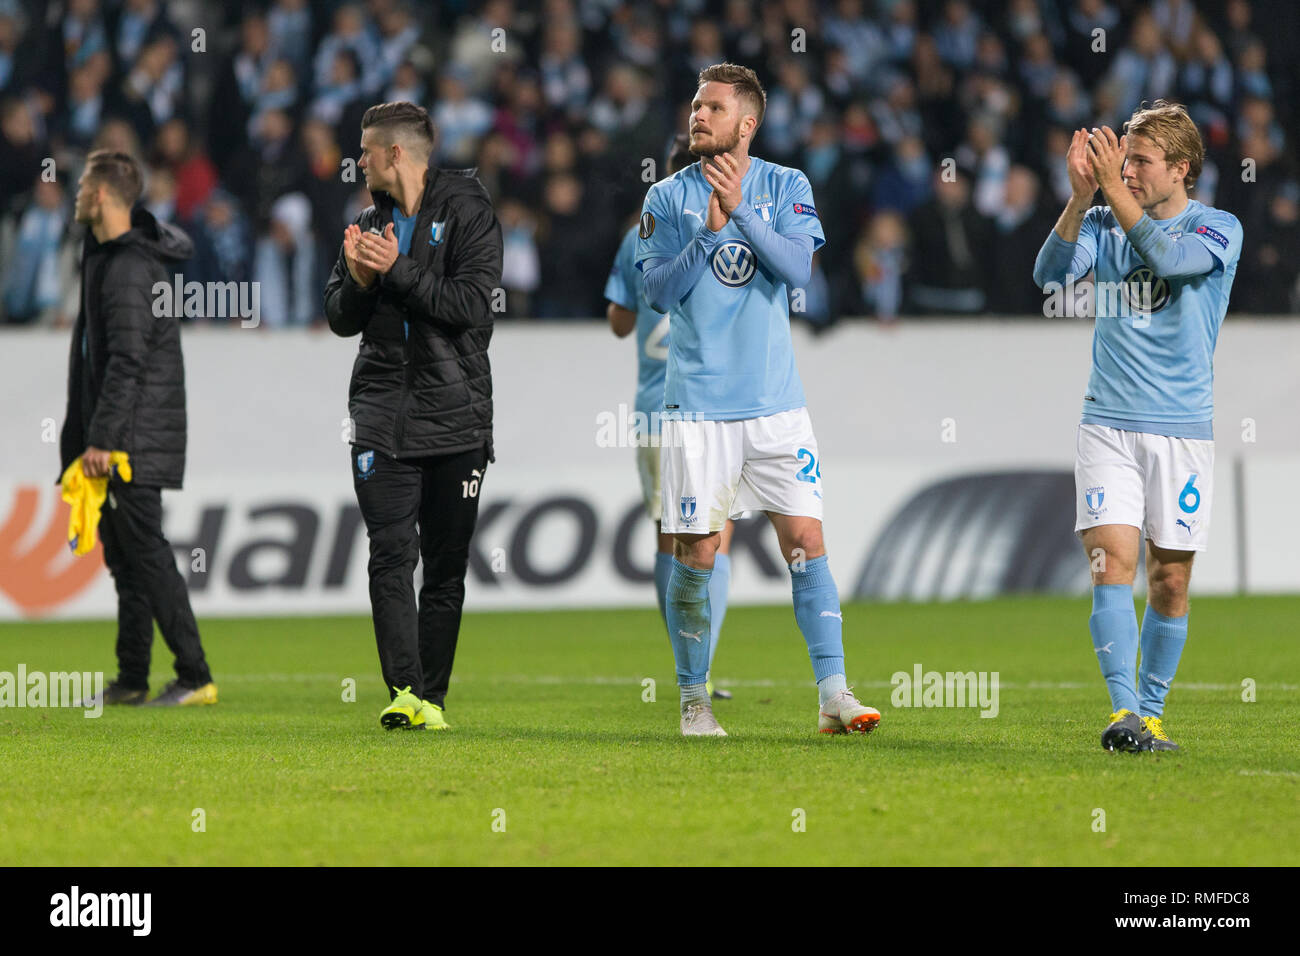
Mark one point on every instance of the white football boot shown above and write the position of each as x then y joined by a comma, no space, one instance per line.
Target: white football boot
698,721
844,714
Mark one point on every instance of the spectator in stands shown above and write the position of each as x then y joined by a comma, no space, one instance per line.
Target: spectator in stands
407,85
193,172
1020,223
343,89
879,263
566,78
351,32
223,241
20,152
1267,280
16,62
31,281
399,33
567,249
153,91
904,183
952,245
284,265
792,103
238,88
84,112
521,264
289,22
326,191
140,23
461,119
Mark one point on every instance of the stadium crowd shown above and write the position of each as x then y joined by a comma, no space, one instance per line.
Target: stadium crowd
933,134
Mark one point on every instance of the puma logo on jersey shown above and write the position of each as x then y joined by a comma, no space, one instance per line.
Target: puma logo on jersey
1186,525
691,637
838,615
692,212
1105,647
1162,683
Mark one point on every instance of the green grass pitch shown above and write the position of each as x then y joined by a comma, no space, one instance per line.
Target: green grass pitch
555,758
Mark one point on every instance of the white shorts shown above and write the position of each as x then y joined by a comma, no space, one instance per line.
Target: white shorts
711,471
1163,486
647,469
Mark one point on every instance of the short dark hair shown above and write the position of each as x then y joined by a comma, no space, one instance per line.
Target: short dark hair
119,172
404,121
744,83
679,153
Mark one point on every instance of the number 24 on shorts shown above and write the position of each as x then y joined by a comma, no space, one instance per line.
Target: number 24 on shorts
812,471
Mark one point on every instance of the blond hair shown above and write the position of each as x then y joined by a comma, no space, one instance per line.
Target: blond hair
1168,126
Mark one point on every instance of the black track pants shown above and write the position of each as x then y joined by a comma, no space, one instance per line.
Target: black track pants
413,508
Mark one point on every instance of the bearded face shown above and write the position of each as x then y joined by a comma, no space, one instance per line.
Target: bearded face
712,142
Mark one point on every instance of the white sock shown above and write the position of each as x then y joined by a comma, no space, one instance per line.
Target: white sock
828,687
694,694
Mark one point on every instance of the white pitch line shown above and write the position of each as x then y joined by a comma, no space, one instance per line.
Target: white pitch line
603,680
1268,773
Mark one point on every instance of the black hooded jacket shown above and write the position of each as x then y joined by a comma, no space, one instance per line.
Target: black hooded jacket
422,384
126,378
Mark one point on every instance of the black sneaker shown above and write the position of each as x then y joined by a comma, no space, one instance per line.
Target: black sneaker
1159,739
1126,732
115,693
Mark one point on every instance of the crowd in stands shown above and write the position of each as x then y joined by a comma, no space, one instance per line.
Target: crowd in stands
933,133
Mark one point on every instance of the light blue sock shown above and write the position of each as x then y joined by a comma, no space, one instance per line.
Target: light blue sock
817,612
718,585
1162,646
688,622
663,568
1115,641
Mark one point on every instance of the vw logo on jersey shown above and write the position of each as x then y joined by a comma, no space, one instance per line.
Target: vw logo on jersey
1144,291
733,263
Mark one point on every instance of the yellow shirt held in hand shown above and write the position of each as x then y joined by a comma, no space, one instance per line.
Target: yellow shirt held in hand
86,496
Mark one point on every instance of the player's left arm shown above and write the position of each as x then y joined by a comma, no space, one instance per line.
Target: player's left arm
621,321
619,290
1167,258
786,245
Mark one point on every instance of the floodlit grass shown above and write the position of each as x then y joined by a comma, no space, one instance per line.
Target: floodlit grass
552,740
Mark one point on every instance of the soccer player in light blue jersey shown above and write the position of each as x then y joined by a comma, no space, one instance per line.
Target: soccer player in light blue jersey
720,243
1144,461
627,311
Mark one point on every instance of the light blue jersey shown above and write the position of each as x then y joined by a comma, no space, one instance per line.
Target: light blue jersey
1153,347
623,287
730,354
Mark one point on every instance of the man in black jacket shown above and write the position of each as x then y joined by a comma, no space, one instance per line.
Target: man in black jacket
126,392
415,277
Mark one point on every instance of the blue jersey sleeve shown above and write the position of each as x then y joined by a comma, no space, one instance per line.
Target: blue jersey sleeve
796,214
658,236
1166,257
621,286
1059,260
1221,233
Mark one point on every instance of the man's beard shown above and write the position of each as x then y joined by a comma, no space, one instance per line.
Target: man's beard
719,145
